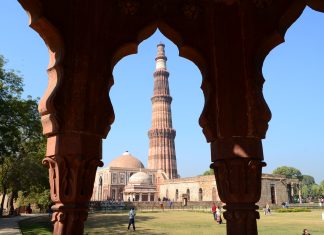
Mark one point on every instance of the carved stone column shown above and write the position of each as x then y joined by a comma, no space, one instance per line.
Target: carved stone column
237,164
76,110
72,159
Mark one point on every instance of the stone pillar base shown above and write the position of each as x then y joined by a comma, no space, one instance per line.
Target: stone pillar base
241,217
69,218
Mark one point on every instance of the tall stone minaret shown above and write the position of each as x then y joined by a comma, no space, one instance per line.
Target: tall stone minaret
162,153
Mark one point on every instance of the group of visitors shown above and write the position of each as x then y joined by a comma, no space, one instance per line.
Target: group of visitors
217,213
284,204
161,203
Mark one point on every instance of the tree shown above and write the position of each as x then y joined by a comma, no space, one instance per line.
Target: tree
21,141
309,189
308,180
209,172
305,191
11,87
321,185
289,172
41,199
315,191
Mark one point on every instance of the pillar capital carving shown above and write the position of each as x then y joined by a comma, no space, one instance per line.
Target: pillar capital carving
71,178
239,186
238,180
237,164
72,159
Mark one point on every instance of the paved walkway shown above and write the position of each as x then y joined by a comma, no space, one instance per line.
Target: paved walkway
9,225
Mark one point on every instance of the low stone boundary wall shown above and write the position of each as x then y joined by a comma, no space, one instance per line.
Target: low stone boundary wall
155,205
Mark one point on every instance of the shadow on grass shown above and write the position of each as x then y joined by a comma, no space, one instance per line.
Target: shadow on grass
117,224
40,225
96,224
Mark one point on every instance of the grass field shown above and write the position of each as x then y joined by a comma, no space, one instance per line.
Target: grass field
36,225
187,222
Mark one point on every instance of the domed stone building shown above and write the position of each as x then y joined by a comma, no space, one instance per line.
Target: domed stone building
126,169
126,160
126,179
140,188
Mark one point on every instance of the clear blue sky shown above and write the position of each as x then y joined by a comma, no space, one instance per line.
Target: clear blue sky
294,91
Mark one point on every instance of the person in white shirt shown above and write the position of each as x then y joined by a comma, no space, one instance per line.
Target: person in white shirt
131,215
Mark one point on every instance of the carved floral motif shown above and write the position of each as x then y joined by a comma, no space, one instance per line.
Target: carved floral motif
239,186
238,180
71,178
228,2
191,9
159,7
262,3
129,7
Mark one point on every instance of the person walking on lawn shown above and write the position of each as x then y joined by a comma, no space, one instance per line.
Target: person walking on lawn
131,215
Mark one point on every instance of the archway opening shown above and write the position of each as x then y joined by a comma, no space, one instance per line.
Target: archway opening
293,90
131,98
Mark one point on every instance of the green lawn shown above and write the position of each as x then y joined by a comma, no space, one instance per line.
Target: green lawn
36,225
291,223
185,222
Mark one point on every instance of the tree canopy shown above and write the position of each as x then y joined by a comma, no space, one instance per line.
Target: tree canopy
309,189
22,145
308,180
289,172
209,172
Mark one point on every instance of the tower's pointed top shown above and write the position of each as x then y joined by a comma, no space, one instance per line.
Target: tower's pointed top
161,44
126,153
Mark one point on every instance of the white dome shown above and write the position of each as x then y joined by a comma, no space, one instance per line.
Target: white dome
140,178
126,161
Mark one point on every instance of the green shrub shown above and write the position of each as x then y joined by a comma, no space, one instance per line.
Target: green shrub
288,210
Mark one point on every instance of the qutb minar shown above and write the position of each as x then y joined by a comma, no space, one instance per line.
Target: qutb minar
162,154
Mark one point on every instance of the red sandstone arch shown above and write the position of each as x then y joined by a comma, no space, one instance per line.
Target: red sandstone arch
227,39
317,5
54,43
